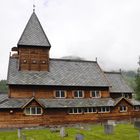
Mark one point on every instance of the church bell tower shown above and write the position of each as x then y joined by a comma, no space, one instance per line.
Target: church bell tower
33,47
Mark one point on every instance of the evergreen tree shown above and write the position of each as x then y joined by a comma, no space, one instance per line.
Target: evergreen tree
3,86
137,89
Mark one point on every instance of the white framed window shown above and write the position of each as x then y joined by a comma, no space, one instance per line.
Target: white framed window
136,108
125,95
104,109
78,94
60,94
90,110
33,111
95,94
75,111
123,109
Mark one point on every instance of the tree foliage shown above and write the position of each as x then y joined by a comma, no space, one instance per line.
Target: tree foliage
3,86
130,77
137,89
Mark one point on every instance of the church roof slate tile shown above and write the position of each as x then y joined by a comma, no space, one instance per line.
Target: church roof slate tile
61,73
117,82
33,34
6,102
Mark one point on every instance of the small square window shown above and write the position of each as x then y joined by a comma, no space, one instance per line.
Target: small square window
75,111
136,108
78,94
96,94
24,61
104,109
60,94
90,110
43,62
123,109
34,61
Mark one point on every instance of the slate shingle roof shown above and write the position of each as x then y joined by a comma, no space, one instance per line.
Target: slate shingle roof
6,102
13,103
58,103
135,102
61,73
66,103
3,97
117,83
33,34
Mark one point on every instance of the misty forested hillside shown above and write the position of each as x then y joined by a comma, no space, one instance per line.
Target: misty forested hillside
129,76
3,86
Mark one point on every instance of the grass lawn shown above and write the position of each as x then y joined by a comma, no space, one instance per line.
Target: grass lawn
93,132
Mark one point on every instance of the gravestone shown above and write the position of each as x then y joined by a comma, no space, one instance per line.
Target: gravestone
19,133
63,132
111,122
23,137
54,129
79,137
137,124
108,129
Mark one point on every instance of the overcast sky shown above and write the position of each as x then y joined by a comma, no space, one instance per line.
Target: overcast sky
106,29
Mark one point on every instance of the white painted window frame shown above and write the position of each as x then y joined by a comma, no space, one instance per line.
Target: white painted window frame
104,111
60,94
88,108
96,92
77,109
30,112
123,108
78,92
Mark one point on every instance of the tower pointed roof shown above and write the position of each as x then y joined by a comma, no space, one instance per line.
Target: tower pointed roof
33,34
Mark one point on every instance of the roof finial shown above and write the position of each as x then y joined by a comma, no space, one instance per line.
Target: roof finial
34,6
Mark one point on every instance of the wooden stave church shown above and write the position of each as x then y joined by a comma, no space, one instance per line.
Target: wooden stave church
45,91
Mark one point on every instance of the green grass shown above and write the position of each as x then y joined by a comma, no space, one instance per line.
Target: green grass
94,132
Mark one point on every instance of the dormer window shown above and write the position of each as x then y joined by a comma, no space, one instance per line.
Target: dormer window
95,94
33,111
123,109
78,94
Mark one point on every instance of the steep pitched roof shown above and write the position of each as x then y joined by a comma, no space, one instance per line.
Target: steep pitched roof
117,83
118,100
33,34
61,73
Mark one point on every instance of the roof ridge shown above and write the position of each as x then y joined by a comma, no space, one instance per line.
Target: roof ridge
73,60
112,72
